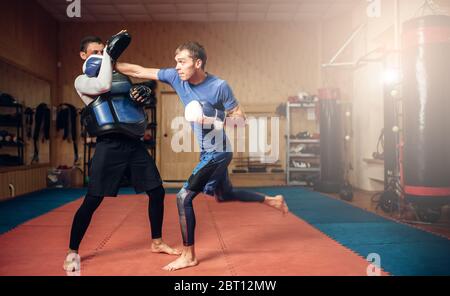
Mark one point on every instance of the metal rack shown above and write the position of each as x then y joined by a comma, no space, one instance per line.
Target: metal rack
16,122
299,175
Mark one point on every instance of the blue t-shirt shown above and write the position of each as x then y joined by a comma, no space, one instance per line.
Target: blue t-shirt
213,90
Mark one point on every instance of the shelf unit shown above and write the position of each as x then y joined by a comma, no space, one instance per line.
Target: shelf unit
301,174
15,121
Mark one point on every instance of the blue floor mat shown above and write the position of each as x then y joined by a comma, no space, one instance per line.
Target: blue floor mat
18,210
404,250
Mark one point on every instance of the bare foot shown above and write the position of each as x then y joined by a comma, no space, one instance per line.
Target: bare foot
278,203
181,262
162,247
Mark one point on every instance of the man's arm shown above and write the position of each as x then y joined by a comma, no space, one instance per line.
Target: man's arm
96,85
236,117
137,71
236,112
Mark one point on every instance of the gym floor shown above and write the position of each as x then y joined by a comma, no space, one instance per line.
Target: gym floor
354,91
366,200
322,235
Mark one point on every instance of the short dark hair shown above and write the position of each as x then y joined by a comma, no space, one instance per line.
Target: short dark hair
196,50
89,39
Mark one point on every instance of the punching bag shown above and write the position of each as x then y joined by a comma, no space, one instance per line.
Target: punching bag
331,142
426,97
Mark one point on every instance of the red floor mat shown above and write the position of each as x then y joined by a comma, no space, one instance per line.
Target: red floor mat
231,239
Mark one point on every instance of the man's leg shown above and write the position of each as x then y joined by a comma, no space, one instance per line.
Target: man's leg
186,215
209,173
276,202
107,168
224,192
156,216
80,224
199,177
145,177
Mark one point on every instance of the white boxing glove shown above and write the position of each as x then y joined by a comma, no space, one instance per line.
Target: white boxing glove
193,112
204,113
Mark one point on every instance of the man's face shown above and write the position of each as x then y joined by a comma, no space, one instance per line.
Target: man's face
92,48
186,66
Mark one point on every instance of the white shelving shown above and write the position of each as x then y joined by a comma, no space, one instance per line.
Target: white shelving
305,141
298,175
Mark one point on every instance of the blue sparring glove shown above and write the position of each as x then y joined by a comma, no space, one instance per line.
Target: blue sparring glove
91,66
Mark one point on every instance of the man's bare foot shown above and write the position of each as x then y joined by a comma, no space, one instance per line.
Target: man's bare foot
278,203
162,247
180,262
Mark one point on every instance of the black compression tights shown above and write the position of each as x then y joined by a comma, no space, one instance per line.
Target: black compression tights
84,214
186,208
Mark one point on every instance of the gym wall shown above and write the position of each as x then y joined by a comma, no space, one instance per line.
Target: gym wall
263,63
28,51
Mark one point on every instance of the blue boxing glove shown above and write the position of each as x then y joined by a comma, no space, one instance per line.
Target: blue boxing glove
91,66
